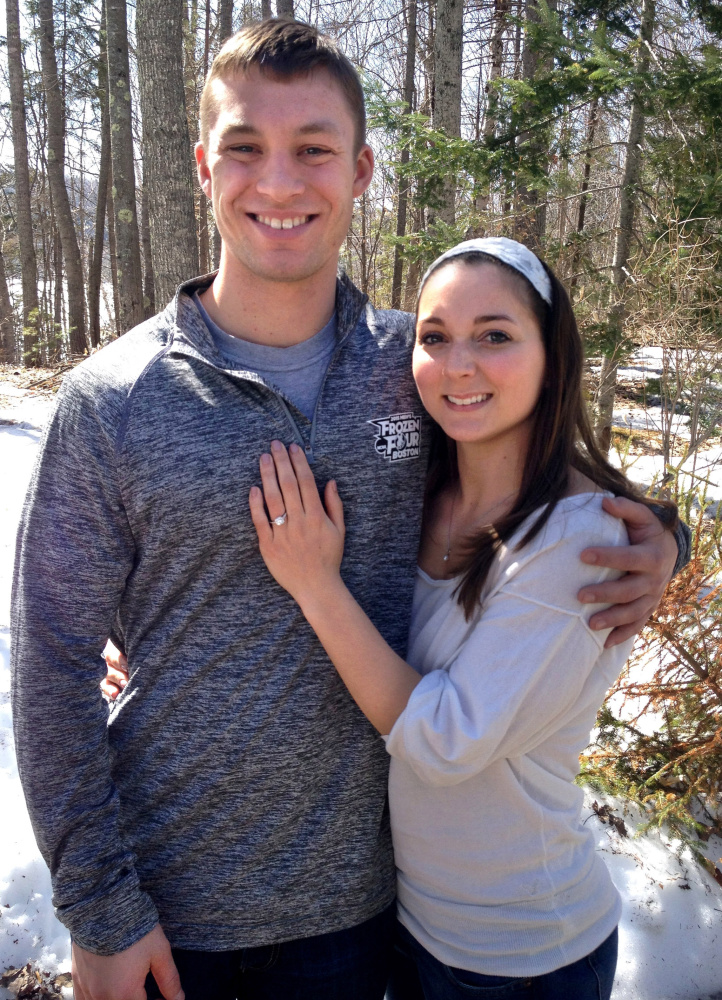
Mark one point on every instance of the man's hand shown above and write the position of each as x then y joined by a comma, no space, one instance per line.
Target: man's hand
648,562
122,976
117,676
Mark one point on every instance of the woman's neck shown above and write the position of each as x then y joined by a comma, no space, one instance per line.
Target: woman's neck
489,477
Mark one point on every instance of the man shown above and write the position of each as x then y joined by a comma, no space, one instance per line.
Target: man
233,807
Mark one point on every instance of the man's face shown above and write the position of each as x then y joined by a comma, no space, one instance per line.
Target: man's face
282,171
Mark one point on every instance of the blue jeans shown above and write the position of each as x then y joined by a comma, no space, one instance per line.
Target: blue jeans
417,975
351,964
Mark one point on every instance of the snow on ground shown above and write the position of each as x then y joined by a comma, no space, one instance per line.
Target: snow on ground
701,471
671,927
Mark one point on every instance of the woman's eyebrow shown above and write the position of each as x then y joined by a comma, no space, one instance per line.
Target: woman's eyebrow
492,319
477,319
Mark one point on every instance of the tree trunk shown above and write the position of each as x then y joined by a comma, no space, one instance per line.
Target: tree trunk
55,340
623,239
95,270
266,9
7,325
23,207
204,243
113,257
56,176
130,286
225,30
413,272
582,207
148,272
225,20
501,11
396,282
168,174
284,8
531,222
447,87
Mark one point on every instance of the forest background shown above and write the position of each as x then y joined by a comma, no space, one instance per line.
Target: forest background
590,132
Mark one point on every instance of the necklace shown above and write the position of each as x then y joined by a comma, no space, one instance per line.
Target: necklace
451,521
483,517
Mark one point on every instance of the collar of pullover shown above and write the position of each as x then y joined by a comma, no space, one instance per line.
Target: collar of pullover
190,335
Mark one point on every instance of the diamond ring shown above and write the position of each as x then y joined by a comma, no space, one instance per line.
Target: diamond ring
281,520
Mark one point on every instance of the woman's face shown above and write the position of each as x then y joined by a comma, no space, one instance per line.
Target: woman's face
479,357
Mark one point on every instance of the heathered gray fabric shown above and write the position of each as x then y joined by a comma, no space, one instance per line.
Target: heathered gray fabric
235,791
298,371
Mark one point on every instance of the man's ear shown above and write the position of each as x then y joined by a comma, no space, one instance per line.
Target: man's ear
364,170
204,174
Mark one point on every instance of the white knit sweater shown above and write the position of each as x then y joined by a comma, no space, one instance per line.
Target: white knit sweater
496,873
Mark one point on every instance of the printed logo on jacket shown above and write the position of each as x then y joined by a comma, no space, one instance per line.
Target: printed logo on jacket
398,437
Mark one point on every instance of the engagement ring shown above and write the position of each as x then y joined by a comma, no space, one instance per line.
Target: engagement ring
281,520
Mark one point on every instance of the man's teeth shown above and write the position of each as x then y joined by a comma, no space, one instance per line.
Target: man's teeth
468,400
282,223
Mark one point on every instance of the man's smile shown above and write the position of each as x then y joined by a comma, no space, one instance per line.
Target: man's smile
273,222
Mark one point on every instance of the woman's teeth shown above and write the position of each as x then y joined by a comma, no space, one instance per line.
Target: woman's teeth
282,223
468,400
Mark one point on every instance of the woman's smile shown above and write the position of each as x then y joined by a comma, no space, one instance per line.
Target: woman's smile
466,402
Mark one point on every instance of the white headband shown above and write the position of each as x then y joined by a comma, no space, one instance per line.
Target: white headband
514,254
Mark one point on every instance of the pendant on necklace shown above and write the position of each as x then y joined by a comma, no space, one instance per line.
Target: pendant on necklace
446,557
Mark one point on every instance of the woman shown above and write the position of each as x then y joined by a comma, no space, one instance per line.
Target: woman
500,890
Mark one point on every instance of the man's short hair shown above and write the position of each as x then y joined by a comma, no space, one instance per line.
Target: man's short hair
282,49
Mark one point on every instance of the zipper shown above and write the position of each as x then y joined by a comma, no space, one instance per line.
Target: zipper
297,434
308,448
298,437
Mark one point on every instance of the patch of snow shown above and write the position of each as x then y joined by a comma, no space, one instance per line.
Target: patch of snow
670,933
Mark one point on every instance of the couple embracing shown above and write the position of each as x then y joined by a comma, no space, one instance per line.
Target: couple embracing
226,831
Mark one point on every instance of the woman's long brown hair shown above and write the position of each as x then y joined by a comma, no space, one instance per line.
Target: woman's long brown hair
561,438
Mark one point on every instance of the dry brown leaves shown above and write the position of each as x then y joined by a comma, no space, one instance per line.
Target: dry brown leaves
30,982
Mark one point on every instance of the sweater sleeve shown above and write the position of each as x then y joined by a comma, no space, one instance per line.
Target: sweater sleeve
518,676
683,537
74,552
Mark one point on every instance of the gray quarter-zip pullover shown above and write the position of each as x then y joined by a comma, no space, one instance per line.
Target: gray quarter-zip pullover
235,793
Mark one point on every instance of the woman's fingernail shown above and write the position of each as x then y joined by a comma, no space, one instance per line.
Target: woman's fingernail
266,459
599,624
294,449
255,491
276,446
